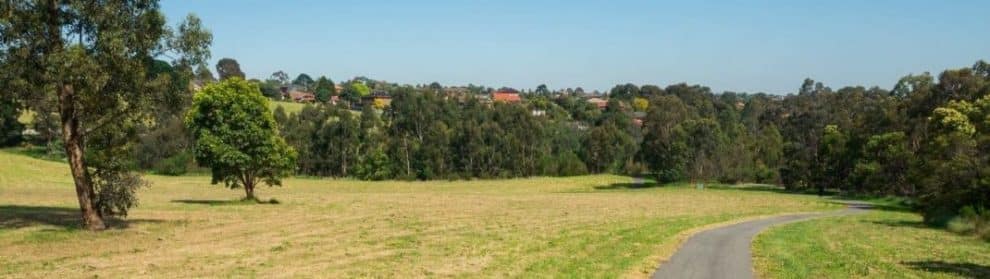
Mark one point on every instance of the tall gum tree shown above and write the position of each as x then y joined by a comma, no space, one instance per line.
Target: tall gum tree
93,60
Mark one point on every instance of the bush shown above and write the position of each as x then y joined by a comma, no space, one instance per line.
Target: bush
175,165
569,164
971,220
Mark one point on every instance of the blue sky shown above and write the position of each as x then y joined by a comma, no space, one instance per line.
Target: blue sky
743,46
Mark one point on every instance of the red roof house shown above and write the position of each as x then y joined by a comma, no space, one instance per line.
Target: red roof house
506,95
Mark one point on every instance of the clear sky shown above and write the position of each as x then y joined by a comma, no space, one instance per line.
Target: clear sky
743,46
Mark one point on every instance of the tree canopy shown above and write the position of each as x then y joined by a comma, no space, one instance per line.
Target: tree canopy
236,136
98,64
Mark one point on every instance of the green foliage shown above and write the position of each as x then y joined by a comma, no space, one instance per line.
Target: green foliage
175,165
10,127
303,80
94,61
229,68
236,136
325,89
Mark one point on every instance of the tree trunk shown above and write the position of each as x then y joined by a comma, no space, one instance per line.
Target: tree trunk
71,135
74,150
249,188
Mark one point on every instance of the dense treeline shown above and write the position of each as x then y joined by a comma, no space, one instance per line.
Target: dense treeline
925,139
424,136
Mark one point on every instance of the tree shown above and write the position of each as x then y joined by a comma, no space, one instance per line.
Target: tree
542,90
10,127
280,77
203,74
608,147
228,68
237,138
354,91
304,81
325,89
660,151
835,162
93,62
703,140
640,104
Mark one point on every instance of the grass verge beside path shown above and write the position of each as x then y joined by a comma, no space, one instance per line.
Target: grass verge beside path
877,244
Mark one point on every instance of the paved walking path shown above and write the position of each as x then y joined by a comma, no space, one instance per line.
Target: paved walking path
724,252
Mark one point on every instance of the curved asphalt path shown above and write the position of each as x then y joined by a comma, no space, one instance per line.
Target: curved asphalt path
724,252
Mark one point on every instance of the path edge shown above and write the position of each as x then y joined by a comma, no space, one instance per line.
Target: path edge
666,251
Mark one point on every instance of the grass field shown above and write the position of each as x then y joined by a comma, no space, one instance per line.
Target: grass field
591,226
289,107
878,244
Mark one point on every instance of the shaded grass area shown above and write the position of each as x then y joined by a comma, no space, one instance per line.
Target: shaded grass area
17,216
534,227
878,244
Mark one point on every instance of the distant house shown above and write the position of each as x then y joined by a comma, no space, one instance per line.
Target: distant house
506,95
301,97
598,102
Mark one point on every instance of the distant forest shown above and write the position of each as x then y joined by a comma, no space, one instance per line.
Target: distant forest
927,138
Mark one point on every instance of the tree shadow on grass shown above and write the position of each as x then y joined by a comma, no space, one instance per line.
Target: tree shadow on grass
967,270
226,202
21,216
902,224
627,186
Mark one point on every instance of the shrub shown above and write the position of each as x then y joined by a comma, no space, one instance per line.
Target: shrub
971,220
175,165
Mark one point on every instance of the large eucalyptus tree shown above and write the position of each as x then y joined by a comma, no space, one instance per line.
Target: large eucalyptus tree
101,64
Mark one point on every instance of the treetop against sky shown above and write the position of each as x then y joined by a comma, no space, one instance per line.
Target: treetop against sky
751,46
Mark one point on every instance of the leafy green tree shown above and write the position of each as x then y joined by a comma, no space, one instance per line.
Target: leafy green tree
607,148
237,138
542,90
354,91
279,77
10,127
89,60
884,166
229,68
702,139
835,163
325,89
203,74
624,92
303,80
662,153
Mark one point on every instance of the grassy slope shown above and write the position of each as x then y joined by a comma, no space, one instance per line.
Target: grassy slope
563,227
289,107
879,244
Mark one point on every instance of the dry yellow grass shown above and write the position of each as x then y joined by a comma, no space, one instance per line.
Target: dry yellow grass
184,227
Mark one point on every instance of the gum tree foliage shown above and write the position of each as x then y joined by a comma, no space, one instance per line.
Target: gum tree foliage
95,65
10,127
229,68
304,81
324,89
236,136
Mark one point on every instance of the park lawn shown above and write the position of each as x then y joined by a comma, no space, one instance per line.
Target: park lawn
289,107
587,226
877,244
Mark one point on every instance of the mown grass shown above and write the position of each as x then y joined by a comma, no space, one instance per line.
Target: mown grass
878,244
289,107
589,226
